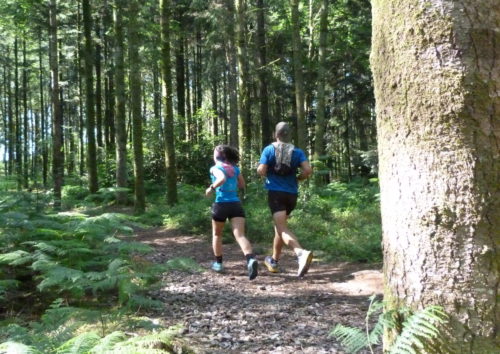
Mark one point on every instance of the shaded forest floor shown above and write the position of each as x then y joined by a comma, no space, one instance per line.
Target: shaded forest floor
275,313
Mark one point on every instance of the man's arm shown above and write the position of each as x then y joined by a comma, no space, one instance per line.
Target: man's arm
262,170
305,171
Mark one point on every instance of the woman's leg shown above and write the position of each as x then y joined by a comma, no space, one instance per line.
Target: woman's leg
238,225
217,228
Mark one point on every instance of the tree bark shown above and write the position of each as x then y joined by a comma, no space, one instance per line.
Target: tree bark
436,76
169,114
88,56
25,119
135,105
11,122
109,86
42,141
245,127
263,73
18,130
319,142
232,78
180,74
298,76
120,116
98,84
57,118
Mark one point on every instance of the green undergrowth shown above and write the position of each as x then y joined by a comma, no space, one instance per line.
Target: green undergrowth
340,221
72,282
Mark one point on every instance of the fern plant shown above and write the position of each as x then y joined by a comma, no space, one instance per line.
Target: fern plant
421,330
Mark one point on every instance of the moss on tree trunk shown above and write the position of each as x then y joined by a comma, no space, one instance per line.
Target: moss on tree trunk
437,80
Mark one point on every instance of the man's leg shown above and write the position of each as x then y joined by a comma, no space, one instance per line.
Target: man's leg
277,245
285,235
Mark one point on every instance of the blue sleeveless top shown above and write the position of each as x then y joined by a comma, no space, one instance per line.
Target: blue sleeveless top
228,192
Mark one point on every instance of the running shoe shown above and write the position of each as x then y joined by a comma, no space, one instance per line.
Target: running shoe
253,268
217,267
271,264
305,258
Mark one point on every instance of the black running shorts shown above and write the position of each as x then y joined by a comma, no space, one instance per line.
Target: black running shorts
228,210
279,201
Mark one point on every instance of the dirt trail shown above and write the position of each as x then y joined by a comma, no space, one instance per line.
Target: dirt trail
275,313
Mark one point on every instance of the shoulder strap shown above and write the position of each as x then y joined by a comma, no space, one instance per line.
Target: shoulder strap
283,153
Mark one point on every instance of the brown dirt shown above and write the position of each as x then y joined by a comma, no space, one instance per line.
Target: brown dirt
275,313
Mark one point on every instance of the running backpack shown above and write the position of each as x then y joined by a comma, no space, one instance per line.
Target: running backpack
283,156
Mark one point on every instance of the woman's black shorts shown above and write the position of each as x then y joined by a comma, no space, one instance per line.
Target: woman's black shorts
228,210
279,201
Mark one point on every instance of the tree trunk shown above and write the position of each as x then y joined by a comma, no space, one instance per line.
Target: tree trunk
11,122
42,141
298,76
180,75
98,84
19,147
25,120
243,80
57,118
189,115
319,142
120,116
88,57
135,106
436,76
215,108
109,87
169,114
263,73
232,79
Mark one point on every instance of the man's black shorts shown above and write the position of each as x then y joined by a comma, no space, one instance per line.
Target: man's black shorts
228,210
279,201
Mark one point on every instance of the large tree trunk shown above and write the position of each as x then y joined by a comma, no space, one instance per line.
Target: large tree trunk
98,83
25,119
180,74
231,81
436,76
109,86
263,73
19,147
57,118
245,126
298,76
169,114
319,142
89,96
42,140
10,112
120,116
135,105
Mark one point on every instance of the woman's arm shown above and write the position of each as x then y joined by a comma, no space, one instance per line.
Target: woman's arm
220,179
241,181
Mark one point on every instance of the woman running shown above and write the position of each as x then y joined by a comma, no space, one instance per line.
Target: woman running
226,179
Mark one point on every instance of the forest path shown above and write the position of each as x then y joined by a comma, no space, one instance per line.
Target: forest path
275,313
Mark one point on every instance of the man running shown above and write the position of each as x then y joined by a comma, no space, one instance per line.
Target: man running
279,164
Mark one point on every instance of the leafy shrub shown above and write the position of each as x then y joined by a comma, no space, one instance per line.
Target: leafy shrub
419,332
73,195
